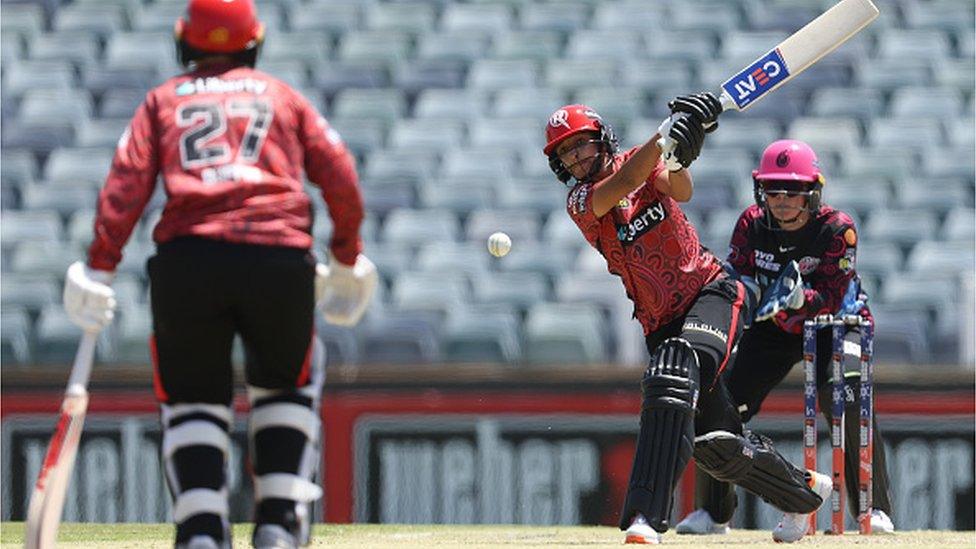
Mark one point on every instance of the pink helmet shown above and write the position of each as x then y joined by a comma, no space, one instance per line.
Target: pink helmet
784,161
789,160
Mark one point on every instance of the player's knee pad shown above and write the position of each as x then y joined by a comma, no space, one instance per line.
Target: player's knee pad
751,462
195,446
285,433
665,441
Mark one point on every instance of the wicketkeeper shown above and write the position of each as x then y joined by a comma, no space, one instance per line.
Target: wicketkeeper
691,309
233,258
802,253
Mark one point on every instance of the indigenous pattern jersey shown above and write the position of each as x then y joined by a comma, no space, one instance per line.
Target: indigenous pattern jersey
650,245
825,249
231,144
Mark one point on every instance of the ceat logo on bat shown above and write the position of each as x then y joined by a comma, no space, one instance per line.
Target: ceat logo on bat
757,79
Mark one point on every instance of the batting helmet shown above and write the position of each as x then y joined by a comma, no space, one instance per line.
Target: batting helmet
789,163
215,27
571,120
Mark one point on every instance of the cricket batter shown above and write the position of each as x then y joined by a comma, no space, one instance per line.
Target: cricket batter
691,309
789,233
233,257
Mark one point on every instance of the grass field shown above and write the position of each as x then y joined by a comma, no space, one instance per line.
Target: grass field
390,536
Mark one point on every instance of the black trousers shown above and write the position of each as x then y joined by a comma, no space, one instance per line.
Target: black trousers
204,292
712,325
766,354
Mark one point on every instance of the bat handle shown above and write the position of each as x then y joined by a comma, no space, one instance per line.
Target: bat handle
727,102
81,370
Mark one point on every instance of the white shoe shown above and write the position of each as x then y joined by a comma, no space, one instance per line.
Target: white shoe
793,526
700,522
640,532
881,523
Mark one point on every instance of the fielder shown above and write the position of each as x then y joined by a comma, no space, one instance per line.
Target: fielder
691,309
802,254
233,257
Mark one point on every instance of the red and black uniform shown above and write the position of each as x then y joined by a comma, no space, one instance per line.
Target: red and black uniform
678,287
233,244
825,249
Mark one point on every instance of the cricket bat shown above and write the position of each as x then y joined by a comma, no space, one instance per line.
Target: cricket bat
795,54
47,499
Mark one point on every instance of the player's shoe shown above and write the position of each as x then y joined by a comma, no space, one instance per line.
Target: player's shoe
273,536
202,542
699,522
793,526
640,532
881,523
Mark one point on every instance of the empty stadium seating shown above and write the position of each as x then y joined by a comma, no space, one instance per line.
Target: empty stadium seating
443,103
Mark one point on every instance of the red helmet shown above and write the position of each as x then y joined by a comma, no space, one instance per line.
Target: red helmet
220,26
570,120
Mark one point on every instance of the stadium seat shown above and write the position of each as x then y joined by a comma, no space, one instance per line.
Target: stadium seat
30,292
769,17
718,17
491,18
557,334
945,258
416,227
739,44
414,76
616,104
654,74
449,258
674,45
158,16
496,74
460,104
573,74
101,19
441,292
860,195
393,167
17,167
412,17
960,224
384,198
901,333
295,46
860,103
892,163
38,75
335,76
476,162
361,136
888,74
56,337
902,44
564,16
878,259
101,133
547,258
902,227
40,106
619,44
481,338
22,19
290,71
928,292
79,47
518,289
515,134
404,337
15,334
326,16
628,15
937,15
427,135
529,193
33,226
589,261
938,195
76,164
385,105
458,194
905,132
827,135
133,327
132,80
534,45
527,103
520,224
373,46
716,235
63,197
463,46
939,162
925,102
133,50
962,132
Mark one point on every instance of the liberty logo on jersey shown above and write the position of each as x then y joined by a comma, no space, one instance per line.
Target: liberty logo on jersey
643,221
757,79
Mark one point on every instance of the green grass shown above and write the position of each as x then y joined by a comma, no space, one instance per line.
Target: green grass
400,536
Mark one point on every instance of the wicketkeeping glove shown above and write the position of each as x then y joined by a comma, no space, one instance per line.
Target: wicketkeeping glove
785,293
343,292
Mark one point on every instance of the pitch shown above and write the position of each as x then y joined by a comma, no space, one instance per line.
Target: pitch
407,536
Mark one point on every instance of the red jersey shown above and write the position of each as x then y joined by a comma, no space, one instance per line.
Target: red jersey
825,249
231,144
650,245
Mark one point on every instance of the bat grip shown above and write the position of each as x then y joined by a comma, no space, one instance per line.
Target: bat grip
727,102
81,369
